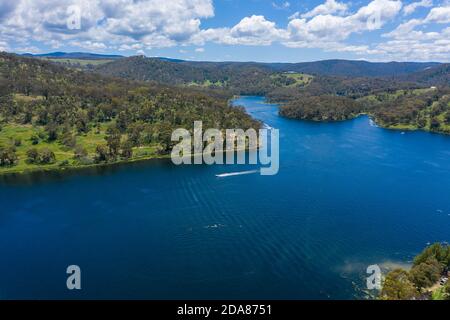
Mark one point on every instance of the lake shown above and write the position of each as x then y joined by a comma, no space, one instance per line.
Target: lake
348,195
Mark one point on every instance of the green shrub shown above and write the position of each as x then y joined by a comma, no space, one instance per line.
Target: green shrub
34,139
46,156
32,155
8,156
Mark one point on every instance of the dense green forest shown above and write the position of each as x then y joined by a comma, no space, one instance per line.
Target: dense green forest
352,68
391,103
237,78
322,108
338,77
52,116
435,76
220,70
96,109
406,96
425,279
406,109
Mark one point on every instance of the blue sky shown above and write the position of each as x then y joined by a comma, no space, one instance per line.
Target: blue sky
237,30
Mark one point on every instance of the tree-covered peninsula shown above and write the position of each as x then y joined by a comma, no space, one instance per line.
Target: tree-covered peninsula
391,103
56,117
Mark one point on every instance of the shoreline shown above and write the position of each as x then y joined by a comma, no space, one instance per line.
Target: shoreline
57,168
398,127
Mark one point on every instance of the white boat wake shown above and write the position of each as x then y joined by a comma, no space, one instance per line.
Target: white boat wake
372,123
266,126
240,173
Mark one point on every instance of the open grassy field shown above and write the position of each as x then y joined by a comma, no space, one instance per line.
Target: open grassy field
207,84
300,79
21,137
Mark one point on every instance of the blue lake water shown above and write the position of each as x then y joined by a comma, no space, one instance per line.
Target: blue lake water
347,195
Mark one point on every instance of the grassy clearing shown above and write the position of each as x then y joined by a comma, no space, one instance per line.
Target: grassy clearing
23,98
300,79
387,96
400,126
207,84
20,136
297,80
14,134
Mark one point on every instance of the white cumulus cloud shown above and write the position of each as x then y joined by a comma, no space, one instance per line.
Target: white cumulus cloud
329,7
439,15
410,8
140,25
111,22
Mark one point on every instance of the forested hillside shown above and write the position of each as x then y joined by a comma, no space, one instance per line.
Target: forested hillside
322,108
257,78
433,76
396,95
349,68
238,78
192,71
51,116
405,96
392,103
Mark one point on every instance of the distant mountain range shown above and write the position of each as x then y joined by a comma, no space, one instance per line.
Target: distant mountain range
168,70
355,68
86,56
74,55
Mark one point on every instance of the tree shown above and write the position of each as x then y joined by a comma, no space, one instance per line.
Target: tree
69,140
113,141
32,155
27,117
82,122
122,121
52,132
421,123
426,273
34,139
165,137
101,154
447,117
127,149
17,142
80,152
8,156
46,156
397,286
438,251
435,124
134,133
